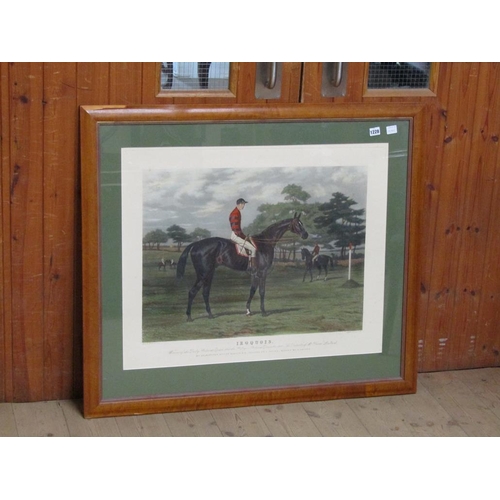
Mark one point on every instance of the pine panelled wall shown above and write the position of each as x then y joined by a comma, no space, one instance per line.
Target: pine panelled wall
40,248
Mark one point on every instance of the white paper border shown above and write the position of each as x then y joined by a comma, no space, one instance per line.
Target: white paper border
140,355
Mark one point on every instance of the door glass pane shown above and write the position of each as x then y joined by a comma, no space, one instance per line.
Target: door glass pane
402,75
193,76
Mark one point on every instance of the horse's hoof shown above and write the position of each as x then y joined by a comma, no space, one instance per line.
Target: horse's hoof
189,319
211,316
249,313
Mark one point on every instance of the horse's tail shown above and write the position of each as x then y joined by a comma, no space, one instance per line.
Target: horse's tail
181,264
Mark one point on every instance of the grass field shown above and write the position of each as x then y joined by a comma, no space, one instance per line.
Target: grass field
292,306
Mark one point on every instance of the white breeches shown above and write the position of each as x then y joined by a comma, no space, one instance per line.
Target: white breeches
244,243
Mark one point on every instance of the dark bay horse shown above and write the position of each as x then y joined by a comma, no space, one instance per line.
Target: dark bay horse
321,263
209,253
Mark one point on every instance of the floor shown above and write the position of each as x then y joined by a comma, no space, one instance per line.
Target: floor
456,403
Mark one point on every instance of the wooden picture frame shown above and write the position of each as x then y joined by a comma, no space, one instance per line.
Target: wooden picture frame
128,152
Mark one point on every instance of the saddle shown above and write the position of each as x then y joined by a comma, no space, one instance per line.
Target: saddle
241,250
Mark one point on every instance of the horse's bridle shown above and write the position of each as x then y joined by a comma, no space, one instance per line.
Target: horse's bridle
296,223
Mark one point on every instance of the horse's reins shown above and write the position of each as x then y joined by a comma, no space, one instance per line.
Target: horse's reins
265,240
270,240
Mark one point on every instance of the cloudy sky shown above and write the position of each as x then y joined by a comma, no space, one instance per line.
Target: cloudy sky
204,197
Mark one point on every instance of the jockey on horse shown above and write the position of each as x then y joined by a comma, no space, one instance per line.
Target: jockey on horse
315,252
238,237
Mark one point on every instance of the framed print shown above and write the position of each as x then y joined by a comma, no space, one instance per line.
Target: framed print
247,255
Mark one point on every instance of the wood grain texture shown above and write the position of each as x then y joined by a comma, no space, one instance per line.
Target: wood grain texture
468,410
311,86
90,264
5,267
125,82
93,80
460,171
60,237
26,214
432,188
94,405
193,423
456,227
8,419
335,418
40,419
288,421
457,307
448,404
485,348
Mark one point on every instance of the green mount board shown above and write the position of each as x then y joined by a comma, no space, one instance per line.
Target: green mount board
123,384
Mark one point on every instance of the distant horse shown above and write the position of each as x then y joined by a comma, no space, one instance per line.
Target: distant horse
209,253
321,263
163,264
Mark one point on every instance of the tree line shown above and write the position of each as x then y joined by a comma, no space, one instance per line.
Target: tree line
175,233
336,224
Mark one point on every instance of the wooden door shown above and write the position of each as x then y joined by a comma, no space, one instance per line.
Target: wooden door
458,314
241,87
40,243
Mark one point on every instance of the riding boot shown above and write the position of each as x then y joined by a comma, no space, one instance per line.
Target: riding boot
251,269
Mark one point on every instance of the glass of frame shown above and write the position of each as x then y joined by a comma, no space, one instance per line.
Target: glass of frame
401,80
175,319
196,80
193,76
401,75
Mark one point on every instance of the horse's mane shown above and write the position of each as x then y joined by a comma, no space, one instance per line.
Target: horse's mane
272,229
